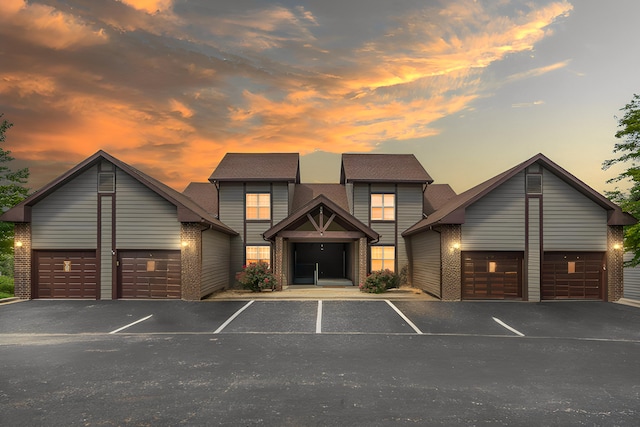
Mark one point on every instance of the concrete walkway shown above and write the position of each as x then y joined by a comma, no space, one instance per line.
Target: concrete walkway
311,292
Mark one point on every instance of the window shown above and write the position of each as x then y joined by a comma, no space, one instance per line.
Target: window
383,207
256,254
383,258
258,206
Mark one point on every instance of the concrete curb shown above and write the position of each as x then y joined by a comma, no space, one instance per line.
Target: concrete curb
630,302
311,293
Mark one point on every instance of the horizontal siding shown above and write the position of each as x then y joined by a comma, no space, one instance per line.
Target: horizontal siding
387,231
231,210
254,232
631,280
571,221
106,258
280,201
383,188
533,262
258,187
144,220
361,200
497,221
215,262
68,218
408,212
425,248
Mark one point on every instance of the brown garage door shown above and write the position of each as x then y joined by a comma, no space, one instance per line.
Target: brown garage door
492,275
149,274
65,274
573,275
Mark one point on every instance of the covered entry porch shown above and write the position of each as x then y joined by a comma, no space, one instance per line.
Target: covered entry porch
320,242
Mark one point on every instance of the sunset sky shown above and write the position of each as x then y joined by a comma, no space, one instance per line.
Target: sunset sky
169,86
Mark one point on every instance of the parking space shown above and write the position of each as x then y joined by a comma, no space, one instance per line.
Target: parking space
580,320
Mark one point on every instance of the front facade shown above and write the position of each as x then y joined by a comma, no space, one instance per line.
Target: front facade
105,230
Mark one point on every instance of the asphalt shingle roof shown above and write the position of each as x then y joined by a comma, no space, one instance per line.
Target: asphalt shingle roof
304,193
258,167
382,168
205,194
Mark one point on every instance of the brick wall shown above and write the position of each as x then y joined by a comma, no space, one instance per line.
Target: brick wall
191,258
362,260
450,237
615,266
22,260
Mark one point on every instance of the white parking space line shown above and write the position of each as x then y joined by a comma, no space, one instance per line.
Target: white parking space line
230,319
501,323
319,318
130,324
405,318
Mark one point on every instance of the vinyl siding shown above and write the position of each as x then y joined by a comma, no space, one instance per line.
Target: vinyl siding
383,188
631,280
144,220
280,201
67,218
258,187
497,221
231,196
215,262
349,189
387,231
408,212
425,248
254,232
106,265
361,202
533,262
571,221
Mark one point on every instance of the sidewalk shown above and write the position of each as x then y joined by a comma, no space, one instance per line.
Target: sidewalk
322,293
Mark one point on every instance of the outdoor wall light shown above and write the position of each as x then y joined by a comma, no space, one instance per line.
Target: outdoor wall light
18,244
185,243
456,246
617,246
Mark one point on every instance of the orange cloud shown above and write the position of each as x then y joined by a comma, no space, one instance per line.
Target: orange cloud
46,26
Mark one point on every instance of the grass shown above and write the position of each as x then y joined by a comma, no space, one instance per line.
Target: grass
6,287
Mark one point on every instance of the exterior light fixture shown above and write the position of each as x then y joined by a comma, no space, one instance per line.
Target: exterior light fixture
18,244
456,245
185,243
617,246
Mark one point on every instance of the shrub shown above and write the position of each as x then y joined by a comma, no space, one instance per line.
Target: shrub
257,277
379,281
6,287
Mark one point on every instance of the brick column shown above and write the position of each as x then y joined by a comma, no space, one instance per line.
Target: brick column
450,237
279,264
22,260
615,263
362,260
191,258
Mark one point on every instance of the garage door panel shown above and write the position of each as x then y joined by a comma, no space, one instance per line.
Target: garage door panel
150,274
492,275
66,274
573,275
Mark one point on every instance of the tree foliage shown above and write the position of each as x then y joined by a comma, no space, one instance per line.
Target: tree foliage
12,190
628,153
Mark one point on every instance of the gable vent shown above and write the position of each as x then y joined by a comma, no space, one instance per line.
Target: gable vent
534,184
106,182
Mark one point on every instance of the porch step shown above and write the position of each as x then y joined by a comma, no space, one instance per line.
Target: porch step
334,283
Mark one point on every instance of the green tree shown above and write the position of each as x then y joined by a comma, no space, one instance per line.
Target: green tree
628,153
12,192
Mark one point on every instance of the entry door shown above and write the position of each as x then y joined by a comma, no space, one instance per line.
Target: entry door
329,257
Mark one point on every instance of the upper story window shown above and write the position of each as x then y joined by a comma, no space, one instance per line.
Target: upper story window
383,207
258,206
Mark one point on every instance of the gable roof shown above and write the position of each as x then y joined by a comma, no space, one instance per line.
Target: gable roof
345,216
187,209
304,193
258,167
436,195
452,212
382,168
205,194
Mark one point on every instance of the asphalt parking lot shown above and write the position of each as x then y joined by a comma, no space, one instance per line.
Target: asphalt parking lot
329,362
